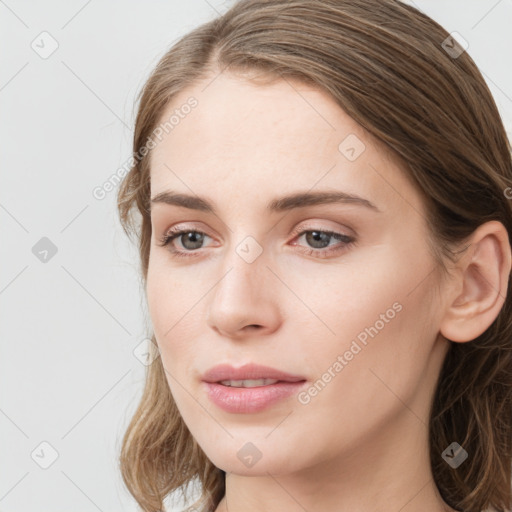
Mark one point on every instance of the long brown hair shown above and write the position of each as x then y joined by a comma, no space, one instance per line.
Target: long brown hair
397,73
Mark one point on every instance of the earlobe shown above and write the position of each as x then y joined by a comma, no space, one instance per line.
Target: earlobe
481,284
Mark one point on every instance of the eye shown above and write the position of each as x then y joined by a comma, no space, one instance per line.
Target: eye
192,240
319,239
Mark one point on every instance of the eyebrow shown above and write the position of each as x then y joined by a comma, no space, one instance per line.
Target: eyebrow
285,203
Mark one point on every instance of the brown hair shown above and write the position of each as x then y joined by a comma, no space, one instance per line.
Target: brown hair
390,68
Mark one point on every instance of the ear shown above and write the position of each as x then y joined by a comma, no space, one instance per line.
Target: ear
481,284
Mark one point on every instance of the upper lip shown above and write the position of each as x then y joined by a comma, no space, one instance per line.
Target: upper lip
248,371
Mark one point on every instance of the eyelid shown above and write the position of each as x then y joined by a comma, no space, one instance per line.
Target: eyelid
185,227
180,229
314,226
306,225
339,234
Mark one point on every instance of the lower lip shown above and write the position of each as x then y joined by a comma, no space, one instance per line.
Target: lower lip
248,400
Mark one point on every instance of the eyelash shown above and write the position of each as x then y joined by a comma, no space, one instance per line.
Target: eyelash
174,233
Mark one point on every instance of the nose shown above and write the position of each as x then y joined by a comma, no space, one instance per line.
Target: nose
245,301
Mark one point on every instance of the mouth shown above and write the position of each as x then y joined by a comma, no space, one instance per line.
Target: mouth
250,388
248,375
249,383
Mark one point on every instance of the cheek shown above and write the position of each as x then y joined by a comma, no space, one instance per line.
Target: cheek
383,327
172,327
171,309
169,295
341,301
378,312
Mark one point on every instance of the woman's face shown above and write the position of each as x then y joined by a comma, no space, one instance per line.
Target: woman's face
258,278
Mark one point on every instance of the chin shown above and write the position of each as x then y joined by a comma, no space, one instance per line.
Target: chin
251,461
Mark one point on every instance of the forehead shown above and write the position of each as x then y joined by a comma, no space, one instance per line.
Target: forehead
256,139
234,116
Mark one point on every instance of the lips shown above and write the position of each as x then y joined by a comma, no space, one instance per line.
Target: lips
250,371
222,385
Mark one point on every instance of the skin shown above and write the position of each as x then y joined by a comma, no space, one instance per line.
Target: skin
361,443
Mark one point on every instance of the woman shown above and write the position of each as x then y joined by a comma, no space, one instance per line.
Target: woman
324,241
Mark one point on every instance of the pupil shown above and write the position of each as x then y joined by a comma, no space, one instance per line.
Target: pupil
316,235
195,238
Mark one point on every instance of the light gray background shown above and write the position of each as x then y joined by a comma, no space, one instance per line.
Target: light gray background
69,325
